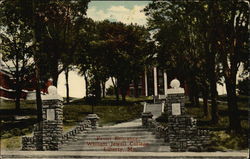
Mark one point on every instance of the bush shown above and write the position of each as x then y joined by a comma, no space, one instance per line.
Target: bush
243,87
223,141
110,91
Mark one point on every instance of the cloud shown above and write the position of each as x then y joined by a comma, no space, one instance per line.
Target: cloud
119,13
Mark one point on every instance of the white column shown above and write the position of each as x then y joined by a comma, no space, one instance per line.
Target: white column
144,107
146,83
165,82
155,82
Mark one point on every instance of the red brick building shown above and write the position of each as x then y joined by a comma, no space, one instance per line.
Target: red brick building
7,85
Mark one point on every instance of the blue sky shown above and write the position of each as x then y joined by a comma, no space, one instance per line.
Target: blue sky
124,11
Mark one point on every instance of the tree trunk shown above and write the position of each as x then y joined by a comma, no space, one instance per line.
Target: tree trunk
18,89
103,89
196,99
205,101
234,118
18,95
124,88
97,90
116,89
191,93
214,94
136,95
36,59
54,71
86,84
124,92
67,84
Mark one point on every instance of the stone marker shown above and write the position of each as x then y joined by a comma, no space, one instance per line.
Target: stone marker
48,133
93,118
182,130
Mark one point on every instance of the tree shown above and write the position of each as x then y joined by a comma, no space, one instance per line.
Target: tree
15,48
221,29
61,21
179,33
46,19
126,53
233,46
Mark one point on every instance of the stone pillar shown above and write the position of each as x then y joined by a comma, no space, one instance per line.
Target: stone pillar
155,82
176,117
175,100
183,132
93,118
51,128
146,116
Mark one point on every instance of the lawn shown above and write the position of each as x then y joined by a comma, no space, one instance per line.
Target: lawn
110,112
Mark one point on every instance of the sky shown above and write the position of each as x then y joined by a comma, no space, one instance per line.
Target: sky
120,11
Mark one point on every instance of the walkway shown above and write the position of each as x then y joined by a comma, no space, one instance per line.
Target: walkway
123,137
155,149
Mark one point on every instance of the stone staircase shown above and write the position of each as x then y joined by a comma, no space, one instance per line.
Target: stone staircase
123,141
155,109
117,139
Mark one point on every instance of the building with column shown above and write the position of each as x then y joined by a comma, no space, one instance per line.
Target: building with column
8,84
153,82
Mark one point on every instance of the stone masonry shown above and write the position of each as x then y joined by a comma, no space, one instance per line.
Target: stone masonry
182,129
48,133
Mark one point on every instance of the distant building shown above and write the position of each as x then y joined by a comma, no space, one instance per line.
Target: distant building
153,82
7,85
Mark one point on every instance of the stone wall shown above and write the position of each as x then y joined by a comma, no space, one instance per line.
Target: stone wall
28,143
158,130
52,130
185,136
181,131
48,134
76,130
35,142
175,98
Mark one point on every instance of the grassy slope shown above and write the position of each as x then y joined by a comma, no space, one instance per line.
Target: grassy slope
111,112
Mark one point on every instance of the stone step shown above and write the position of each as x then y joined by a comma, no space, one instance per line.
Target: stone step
148,140
120,128
121,155
149,148
94,137
136,133
108,136
116,144
117,130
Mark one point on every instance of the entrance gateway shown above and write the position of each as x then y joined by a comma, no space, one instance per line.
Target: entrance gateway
180,134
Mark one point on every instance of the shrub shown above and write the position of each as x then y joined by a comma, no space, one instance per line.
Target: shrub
243,87
110,91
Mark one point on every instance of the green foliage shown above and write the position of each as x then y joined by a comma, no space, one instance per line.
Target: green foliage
243,87
114,50
200,43
110,90
222,141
